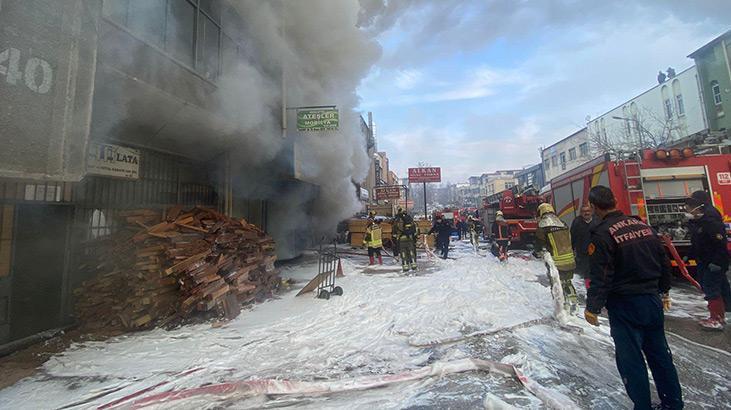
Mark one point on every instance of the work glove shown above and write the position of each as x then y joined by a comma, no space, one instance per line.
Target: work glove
685,259
666,303
591,318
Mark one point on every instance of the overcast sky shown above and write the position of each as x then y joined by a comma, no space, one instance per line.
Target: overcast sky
476,86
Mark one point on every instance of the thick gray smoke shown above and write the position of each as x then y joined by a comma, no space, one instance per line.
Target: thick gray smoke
323,56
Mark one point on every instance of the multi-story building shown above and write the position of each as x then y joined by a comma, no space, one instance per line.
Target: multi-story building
531,177
116,105
714,74
499,181
665,113
566,154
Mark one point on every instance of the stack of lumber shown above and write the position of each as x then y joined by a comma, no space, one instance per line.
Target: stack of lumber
160,268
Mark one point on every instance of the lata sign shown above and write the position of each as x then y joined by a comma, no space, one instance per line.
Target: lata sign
327,119
724,178
387,192
113,161
425,174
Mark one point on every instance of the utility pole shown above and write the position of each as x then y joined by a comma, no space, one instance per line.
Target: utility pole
426,214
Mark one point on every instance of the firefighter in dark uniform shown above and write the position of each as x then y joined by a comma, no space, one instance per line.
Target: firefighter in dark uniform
405,230
708,247
443,229
630,270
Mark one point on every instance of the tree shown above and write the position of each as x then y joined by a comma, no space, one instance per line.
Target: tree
645,129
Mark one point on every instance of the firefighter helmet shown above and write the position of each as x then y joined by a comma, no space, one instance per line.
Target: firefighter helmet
499,214
545,208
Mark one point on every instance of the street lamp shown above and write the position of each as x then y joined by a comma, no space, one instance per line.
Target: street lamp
638,126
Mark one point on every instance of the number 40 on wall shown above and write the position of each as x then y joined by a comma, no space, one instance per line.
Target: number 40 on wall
36,73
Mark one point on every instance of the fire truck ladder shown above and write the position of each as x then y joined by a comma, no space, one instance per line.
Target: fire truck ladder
632,182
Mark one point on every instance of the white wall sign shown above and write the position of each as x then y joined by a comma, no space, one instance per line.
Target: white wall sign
724,178
113,160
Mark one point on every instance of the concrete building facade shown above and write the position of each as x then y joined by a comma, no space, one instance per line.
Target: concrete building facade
665,113
714,75
114,105
566,154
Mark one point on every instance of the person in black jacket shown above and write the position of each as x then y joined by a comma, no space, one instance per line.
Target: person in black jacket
708,247
629,270
443,230
580,239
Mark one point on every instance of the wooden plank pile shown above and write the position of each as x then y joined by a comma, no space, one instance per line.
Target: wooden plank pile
162,268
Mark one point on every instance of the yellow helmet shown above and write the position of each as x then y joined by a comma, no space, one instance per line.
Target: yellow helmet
545,208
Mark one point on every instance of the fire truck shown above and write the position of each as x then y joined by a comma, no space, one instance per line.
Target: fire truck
652,186
519,208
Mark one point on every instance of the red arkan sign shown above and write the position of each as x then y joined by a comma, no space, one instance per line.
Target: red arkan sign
388,192
426,174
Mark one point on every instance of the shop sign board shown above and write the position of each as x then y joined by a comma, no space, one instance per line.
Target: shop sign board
387,192
425,174
113,161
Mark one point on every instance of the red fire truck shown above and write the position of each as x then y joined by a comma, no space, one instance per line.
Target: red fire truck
653,187
519,208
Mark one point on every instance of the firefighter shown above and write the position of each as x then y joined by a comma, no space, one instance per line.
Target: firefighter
629,271
373,240
475,227
405,231
580,239
553,235
443,230
394,236
708,248
501,235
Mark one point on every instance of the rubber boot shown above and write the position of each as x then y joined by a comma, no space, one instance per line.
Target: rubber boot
372,261
380,260
717,317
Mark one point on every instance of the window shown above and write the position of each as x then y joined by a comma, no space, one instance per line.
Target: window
679,103
584,149
563,161
208,47
146,18
99,225
669,109
509,185
554,161
572,154
116,10
546,164
189,30
716,91
180,31
229,55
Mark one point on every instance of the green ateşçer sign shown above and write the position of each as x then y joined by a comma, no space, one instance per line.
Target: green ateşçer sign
318,119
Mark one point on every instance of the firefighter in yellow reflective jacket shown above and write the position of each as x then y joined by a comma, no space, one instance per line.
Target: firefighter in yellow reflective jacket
373,240
554,236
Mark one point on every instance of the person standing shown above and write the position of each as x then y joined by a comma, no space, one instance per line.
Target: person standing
501,235
629,271
476,229
405,231
373,240
553,236
580,239
708,248
443,229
